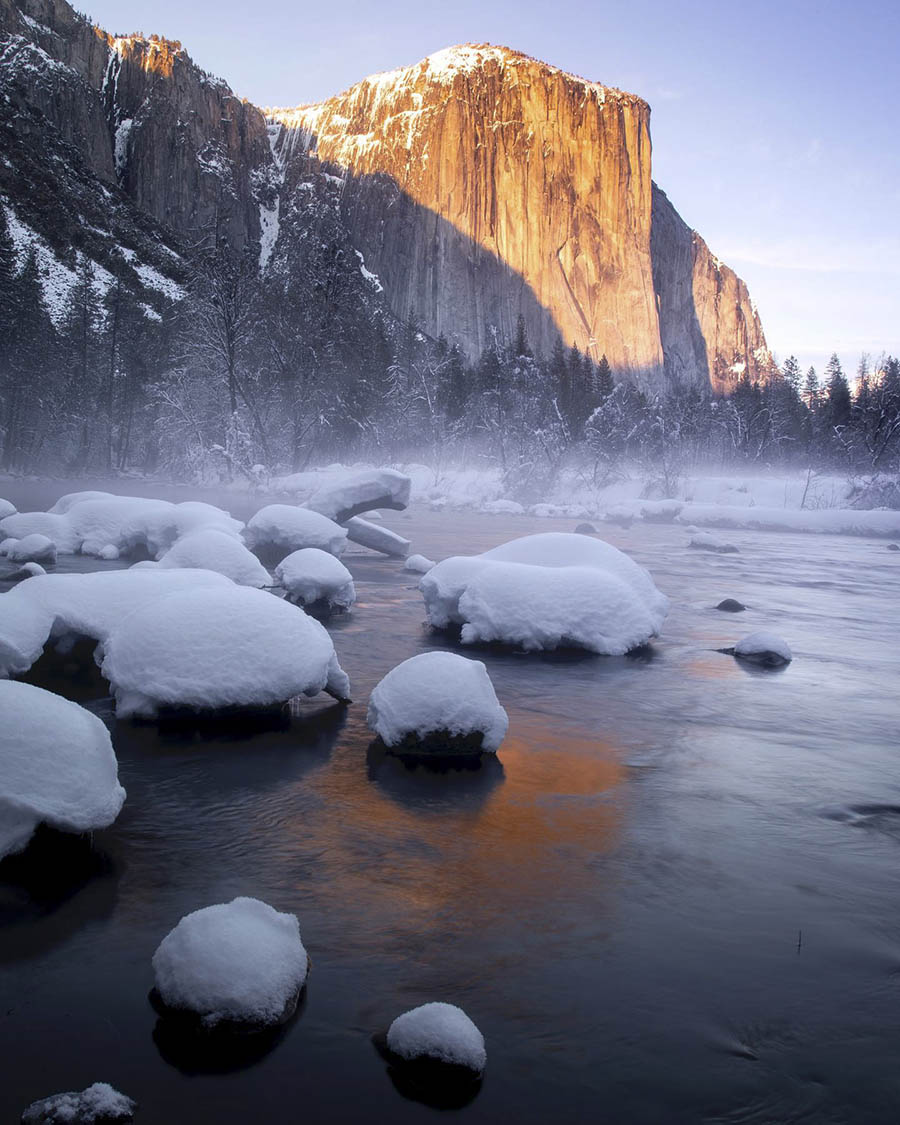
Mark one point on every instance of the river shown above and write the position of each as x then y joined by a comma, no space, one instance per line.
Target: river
675,897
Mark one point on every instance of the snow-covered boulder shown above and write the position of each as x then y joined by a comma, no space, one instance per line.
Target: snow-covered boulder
351,493
284,528
438,701
312,576
240,962
440,1033
64,503
703,541
64,606
56,528
377,538
99,1104
211,549
418,564
29,570
58,766
6,508
763,648
131,523
33,548
229,646
109,553
91,523
546,591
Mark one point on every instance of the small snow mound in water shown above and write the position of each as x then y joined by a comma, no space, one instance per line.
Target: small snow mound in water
58,766
237,962
6,508
441,1032
545,591
763,648
33,548
441,700
211,549
283,527
312,575
419,564
220,647
703,541
97,1105
110,553
29,570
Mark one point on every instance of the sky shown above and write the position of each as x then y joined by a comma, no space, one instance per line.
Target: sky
774,122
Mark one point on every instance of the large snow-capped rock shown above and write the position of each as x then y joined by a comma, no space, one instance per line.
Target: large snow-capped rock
126,523
285,528
6,508
546,591
57,766
438,701
229,646
99,1104
438,1032
357,491
311,576
60,606
212,549
240,962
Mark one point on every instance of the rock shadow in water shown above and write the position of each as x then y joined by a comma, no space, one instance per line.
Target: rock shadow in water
425,782
192,1049
50,890
427,1081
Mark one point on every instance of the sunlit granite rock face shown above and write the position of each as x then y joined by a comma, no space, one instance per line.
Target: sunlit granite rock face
481,184
469,189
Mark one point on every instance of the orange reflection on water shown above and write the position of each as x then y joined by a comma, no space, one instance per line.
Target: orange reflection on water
461,849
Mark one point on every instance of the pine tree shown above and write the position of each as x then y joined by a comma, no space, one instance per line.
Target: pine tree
791,373
603,380
521,346
812,392
837,394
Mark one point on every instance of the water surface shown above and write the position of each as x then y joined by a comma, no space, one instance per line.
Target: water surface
674,898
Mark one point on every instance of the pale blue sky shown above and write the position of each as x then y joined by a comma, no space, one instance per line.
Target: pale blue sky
774,121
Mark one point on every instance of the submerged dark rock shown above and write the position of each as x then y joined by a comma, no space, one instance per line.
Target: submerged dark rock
731,605
585,529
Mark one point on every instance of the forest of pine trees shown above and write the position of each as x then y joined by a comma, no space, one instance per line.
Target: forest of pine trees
248,376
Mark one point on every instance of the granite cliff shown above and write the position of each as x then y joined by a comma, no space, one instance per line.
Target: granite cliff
471,188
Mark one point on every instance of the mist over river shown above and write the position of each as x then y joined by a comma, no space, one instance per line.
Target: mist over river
675,897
